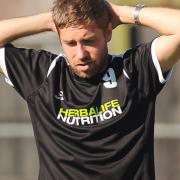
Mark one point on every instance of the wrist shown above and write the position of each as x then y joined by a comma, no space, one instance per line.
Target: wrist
126,14
46,21
137,11
49,21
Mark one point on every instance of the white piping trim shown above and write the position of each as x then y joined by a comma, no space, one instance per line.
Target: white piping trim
162,79
126,74
3,66
53,64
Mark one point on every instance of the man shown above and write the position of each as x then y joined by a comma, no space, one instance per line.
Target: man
92,113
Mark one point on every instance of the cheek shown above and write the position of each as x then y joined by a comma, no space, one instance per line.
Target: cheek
96,51
99,52
69,52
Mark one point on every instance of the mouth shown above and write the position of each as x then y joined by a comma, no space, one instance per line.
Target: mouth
84,66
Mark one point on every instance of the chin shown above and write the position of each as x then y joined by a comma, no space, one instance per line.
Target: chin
86,75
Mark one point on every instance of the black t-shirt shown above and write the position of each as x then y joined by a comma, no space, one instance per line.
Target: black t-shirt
101,128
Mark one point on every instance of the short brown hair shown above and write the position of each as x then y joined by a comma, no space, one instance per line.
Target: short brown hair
68,13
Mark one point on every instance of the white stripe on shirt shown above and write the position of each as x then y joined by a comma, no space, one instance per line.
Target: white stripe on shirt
3,66
162,79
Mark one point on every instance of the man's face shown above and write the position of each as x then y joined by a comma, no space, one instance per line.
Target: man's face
86,48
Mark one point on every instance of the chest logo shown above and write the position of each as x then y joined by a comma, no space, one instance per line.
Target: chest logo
110,79
93,115
60,96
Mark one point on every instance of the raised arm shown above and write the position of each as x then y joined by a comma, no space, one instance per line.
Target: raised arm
12,29
166,21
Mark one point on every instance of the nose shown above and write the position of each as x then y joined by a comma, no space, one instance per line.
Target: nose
81,52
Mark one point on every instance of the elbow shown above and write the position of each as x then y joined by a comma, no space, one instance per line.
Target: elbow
2,43
3,40
176,38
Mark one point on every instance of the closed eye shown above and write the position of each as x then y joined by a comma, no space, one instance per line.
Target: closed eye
70,43
89,41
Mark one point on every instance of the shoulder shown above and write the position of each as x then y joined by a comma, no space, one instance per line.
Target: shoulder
11,49
138,50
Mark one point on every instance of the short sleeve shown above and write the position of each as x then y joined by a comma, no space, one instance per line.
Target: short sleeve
142,66
25,69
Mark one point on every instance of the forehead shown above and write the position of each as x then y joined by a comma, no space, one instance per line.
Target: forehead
80,31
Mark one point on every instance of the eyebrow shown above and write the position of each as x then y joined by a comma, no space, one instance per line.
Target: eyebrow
68,41
83,39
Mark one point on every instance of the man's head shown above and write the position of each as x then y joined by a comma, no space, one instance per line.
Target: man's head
68,13
84,29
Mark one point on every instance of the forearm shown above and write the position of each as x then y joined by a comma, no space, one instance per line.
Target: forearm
164,20
12,29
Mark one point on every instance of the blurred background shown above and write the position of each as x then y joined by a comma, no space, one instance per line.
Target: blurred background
18,154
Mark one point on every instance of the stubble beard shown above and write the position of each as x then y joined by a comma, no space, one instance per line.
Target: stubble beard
86,74
95,69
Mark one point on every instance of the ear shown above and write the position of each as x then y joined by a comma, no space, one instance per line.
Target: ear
109,32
